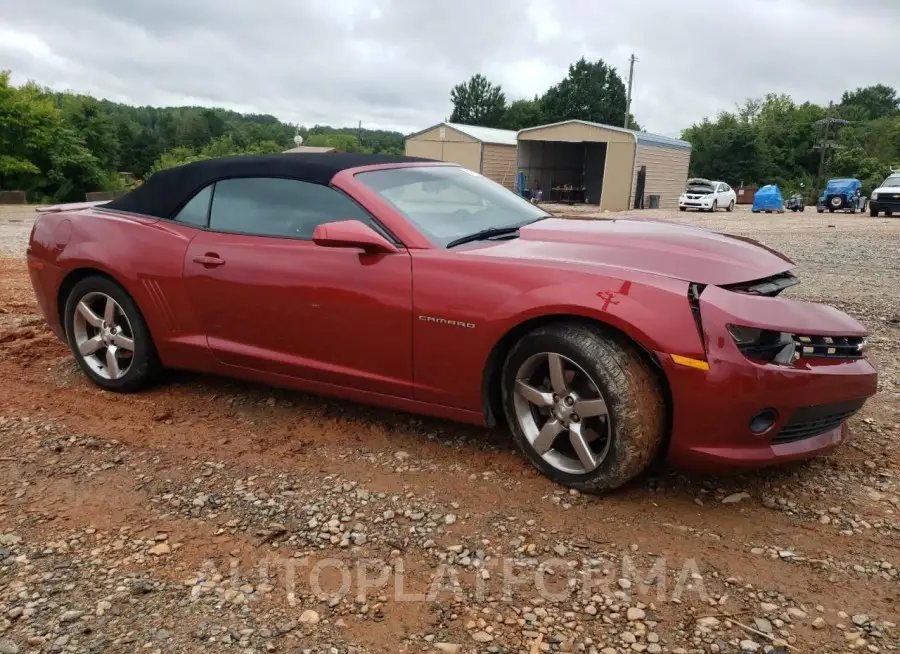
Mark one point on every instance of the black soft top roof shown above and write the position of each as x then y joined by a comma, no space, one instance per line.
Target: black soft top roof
166,191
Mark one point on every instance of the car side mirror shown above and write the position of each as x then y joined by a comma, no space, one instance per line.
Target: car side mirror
352,234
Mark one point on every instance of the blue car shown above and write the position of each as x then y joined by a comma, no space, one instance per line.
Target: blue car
840,194
768,199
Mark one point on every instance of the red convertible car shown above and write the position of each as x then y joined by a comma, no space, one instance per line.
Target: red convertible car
419,285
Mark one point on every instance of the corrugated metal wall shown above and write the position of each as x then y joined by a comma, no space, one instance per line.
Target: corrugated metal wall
667,174
498,162
616,182
455,147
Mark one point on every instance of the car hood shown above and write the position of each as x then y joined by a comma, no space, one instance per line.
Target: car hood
677,251
887,190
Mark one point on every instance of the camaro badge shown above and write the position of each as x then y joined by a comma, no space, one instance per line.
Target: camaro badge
444,321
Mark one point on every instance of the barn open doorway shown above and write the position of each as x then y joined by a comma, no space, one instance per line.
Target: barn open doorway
570,172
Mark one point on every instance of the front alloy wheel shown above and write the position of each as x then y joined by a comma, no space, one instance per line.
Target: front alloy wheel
584,404
562,413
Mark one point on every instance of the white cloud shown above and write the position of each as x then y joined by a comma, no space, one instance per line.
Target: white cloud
391,63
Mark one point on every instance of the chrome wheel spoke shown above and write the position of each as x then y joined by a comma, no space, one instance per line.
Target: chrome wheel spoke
123,342
590,408
88,314
109,311
533,395
112,363
90,346
547,436
582,448
557,373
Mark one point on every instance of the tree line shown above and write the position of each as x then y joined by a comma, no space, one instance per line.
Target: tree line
57,146
774,140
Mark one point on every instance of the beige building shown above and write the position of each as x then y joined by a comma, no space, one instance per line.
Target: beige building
612,167
491,152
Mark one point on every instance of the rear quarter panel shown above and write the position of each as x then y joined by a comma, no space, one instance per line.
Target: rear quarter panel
144,255
496,296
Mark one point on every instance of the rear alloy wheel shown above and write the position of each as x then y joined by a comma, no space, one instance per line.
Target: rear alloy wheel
109,337
730,206
583,405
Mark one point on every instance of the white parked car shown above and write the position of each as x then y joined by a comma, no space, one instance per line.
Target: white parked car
886,197
705,195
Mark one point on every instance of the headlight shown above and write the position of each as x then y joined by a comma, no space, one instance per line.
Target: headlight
764,344
874,196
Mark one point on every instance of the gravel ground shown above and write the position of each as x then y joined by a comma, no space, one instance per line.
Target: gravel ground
211,515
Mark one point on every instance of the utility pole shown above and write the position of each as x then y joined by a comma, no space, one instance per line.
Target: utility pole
628,98
825,145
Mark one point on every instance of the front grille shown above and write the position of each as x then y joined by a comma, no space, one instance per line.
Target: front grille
811,421
830,347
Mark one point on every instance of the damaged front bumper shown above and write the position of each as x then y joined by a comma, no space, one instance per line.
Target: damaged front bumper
744,412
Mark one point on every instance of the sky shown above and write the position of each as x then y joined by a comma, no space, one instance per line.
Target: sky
391,63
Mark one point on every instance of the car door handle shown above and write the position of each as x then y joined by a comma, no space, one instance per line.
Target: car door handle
210,260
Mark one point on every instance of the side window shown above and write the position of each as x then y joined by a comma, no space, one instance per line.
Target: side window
196,211
286,208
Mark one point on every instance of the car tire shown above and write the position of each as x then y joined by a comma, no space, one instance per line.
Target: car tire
888,213
101,349
873,212
730,206
623,443
715,206
682,208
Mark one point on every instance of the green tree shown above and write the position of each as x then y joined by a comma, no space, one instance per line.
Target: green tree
523,113
478,102
870,103
28,121
592,91
341,142
96,127
726,149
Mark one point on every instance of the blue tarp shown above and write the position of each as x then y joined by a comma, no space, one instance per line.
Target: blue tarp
842,186
768,198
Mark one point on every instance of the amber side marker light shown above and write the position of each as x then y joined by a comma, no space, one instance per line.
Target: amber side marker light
688,362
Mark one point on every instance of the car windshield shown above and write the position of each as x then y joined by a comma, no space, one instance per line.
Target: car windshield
448,202
893,180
